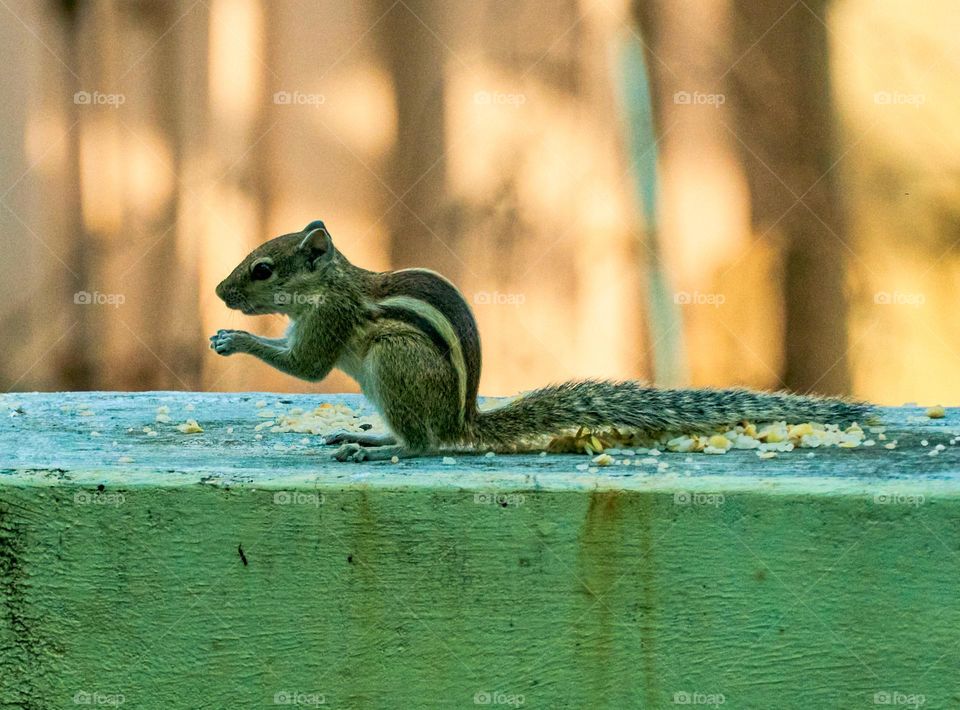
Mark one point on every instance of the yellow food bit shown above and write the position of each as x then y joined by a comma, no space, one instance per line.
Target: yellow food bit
891,445
603,460
190,427
800,430
719,441
766,454
772,436
595,443
937,412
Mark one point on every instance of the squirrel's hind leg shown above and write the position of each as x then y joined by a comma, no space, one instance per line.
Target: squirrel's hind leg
358,453
359,437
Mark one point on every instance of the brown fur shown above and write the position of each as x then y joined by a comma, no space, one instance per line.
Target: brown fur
406,366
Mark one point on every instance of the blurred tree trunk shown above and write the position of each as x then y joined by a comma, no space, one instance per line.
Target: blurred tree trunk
415,59
769,60
76,359
160,313
785,119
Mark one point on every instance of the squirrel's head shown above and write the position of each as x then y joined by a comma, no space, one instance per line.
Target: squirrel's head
283,275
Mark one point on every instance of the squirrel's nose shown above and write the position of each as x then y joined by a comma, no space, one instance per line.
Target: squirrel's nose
222,291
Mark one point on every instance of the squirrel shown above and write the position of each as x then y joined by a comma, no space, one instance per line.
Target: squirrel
410,340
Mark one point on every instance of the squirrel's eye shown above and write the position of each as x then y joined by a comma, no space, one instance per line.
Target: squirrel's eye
261,272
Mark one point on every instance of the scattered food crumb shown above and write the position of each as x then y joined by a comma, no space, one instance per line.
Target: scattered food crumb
394,459
261,404
936,412
603,460
125,459
190,427
449,460
489,454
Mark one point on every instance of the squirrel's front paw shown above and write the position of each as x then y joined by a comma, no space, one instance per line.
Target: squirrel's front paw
351,452
228,342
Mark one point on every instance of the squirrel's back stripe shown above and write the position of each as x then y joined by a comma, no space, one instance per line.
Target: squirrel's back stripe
436,291
434,324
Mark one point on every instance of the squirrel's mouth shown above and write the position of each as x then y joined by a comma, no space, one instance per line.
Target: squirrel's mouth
247,309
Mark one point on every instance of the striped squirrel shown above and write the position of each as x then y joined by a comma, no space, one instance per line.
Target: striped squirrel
409,339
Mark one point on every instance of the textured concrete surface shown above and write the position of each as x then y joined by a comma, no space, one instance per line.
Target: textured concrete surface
214,570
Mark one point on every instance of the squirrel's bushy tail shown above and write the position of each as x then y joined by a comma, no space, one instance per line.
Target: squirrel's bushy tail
631,405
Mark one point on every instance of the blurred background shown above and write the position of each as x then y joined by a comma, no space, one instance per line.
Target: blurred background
702,192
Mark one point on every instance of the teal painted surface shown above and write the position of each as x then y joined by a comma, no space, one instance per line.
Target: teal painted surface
812,583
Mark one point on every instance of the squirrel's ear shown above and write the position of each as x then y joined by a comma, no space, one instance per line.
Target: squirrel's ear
317,243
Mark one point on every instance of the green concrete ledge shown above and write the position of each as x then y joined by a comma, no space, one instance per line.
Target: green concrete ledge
218,571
